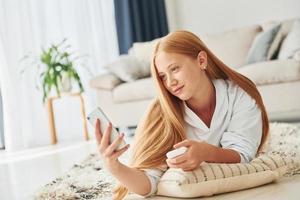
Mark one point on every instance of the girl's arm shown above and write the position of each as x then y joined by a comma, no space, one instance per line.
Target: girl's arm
135,180
222,155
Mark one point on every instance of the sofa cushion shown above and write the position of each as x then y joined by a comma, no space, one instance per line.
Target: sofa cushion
143,50
297,56
261,45
291,43
128,68
281,100
135,91
105,81
232,46
270,72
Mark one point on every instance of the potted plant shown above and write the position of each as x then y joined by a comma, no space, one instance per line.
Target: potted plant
55,70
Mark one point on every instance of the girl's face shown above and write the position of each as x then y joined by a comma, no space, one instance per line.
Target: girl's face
181,75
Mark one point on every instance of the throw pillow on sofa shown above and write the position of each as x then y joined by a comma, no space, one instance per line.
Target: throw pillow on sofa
143,50
106,81
261,45
232,46
128,68
291,44
274,47
297,56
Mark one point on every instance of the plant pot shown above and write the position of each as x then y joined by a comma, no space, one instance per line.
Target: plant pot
66,84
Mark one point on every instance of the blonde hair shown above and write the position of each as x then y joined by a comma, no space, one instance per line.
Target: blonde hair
163,125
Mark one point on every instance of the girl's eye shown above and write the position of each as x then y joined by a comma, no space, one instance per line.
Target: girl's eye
174,69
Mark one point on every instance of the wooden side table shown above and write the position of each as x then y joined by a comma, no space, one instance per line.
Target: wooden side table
51,116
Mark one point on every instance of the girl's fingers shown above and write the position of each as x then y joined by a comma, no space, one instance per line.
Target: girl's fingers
120,152
106,137
98,132
187,169
184,143
113,146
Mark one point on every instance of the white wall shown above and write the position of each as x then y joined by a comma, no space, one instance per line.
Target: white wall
211,16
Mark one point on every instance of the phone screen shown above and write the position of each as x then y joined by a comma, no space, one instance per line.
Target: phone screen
104,122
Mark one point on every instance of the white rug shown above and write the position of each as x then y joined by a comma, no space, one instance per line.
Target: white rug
88,180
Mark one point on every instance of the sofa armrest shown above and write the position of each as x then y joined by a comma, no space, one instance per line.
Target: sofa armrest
107,81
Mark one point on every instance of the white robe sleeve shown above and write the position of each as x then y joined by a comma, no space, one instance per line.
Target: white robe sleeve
154,176
245,128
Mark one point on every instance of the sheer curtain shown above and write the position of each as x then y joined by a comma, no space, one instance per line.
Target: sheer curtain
26,26
1,123
2,74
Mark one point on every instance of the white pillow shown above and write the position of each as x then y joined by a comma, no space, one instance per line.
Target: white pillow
106,81
261,45
291,43
128,68
232,46
297,56
285,28
213,178
143,51
280,157
274,47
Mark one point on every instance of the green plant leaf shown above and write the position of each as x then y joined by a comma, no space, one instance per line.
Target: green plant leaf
51,64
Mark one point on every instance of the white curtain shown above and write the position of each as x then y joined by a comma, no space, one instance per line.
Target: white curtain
28,25
1,123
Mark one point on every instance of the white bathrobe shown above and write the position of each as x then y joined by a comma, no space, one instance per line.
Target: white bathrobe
236,124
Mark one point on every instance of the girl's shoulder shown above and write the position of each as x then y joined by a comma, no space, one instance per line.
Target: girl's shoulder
233,91
239,96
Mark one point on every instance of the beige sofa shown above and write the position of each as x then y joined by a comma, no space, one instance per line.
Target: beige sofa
277,80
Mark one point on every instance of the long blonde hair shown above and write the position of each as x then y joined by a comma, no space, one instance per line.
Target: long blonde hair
163,125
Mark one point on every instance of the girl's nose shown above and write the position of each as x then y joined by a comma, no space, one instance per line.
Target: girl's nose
172,81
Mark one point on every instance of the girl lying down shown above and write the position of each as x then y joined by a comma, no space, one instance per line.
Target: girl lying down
202,104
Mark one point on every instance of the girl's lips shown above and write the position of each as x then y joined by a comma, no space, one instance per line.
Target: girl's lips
178,90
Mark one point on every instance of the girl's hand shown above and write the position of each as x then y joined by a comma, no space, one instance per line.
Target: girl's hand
196,153
108,152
